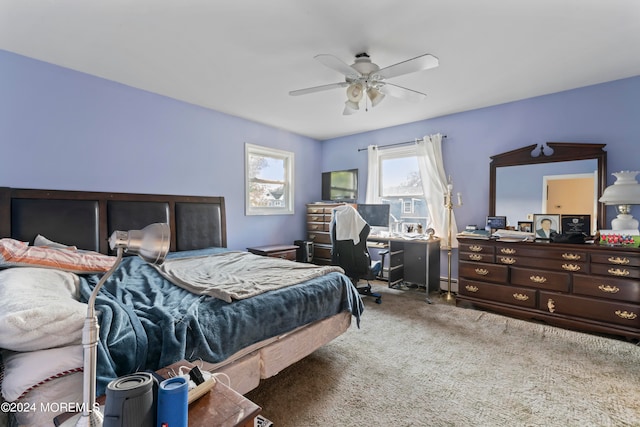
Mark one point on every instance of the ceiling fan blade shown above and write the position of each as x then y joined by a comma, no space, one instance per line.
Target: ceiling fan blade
402,92
337,64
318,88
419,63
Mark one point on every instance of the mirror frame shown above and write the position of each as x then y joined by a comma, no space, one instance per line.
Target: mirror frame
562,152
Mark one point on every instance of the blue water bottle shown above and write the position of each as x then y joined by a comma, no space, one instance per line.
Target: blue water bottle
173,406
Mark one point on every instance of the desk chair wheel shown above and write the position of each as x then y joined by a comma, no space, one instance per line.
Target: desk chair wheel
366,290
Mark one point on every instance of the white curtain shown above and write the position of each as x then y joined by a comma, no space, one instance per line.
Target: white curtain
373,176
434,186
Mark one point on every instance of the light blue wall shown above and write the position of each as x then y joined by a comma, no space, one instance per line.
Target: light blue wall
61,129
607,113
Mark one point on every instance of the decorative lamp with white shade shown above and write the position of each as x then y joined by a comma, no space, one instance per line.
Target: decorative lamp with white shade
151,244
623,193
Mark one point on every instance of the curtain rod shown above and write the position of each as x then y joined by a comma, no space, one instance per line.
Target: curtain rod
393,145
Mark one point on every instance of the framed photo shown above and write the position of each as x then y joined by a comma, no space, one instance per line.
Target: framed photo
497,222
546,225
526,226
576,224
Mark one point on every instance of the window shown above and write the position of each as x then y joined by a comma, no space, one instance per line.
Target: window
268,180
401,186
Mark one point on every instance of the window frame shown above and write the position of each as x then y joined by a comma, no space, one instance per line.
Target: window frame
288,158
389,154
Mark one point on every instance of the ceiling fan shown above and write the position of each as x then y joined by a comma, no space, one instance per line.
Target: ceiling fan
365,76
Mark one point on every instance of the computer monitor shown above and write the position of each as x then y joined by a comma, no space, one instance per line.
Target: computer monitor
376,215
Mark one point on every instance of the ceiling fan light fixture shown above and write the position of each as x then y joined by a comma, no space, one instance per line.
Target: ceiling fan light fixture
354,92
350,107
375,96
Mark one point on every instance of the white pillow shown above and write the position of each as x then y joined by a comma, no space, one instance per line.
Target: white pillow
40,309
26,371
40,240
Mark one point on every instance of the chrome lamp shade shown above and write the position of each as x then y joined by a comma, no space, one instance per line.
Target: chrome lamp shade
623,193
151,244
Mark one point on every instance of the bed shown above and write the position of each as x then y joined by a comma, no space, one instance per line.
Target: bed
146,320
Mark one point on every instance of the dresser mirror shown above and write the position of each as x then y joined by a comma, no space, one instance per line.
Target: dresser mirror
553,178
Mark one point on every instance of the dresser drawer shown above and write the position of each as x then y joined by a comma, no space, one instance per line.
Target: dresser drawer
319,217
541,279
500,293
607,287
623,260
476,246
321,252
476,256
483,271
547,264
547,252
319,237
321,210
627,315
318,226
616,271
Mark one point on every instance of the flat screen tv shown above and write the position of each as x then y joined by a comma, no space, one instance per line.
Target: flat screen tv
340,186
376,215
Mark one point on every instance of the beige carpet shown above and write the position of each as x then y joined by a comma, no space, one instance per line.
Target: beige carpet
414,364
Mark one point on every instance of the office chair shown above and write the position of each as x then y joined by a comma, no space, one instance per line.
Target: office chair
354,258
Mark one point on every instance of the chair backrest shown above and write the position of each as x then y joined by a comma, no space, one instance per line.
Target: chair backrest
353,258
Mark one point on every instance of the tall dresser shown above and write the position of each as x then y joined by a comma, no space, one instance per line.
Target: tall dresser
586,287
319,231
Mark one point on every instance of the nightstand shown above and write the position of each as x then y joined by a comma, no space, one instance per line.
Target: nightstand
276,251
220,407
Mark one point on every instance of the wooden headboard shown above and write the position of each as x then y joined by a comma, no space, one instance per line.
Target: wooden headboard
87,219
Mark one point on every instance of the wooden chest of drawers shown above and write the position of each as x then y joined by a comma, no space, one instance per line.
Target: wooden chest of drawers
587,287
319,231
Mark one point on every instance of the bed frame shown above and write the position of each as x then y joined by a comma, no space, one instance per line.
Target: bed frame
87,219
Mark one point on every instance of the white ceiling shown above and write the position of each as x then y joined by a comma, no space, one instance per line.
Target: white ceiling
242,57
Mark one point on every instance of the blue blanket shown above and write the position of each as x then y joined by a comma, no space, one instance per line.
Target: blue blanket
146,322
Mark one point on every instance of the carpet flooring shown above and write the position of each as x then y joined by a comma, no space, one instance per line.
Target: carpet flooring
418,364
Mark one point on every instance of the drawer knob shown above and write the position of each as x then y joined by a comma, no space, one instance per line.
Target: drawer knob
618,272
507,260
471,288
508,251
312,236
482,271
571,257
551,305
626,314
571,267
475,248
619,261
475,257
538,279
521,297
315,218
609,289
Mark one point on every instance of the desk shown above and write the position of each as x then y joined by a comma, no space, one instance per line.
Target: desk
414,261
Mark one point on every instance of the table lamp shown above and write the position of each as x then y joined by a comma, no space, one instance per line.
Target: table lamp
623,193
151,244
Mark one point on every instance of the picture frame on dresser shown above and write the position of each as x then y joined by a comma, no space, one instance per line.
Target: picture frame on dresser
576,224
525,226
546,226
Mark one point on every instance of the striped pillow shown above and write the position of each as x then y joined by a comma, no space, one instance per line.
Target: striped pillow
14,253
